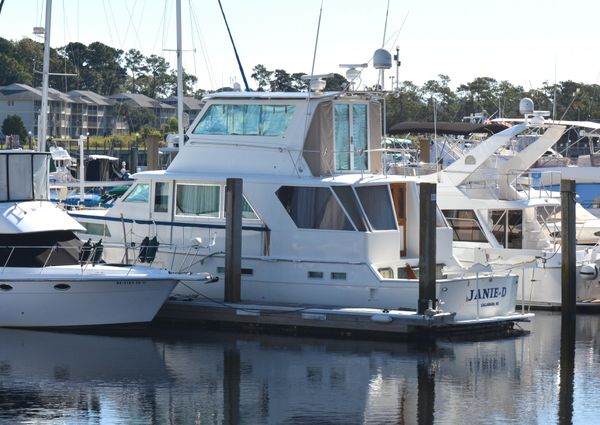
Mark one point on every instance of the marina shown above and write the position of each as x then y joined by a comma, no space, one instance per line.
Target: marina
318,248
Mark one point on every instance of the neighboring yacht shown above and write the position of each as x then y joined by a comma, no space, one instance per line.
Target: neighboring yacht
48,277
504,217
322,225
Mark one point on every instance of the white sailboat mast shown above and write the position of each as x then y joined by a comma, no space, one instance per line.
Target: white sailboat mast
179,77
43,118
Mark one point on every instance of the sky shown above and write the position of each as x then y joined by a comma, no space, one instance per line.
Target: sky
524,42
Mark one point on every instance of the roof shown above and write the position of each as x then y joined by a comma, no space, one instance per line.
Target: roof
268,95
189,103
459,128
140,100
90,97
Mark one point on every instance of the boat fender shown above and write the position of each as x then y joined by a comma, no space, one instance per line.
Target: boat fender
151,250
143,249
588,272
85,251
98,251
381,318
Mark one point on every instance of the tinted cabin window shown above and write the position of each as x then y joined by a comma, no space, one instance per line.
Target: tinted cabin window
198,200
376,202
161,197
245,120
507,227
139,193
313,208
465,225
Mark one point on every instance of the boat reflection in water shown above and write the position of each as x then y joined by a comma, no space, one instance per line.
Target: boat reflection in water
199,376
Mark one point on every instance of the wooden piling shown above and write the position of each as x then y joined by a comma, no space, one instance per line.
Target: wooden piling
568,246
233,239
427,246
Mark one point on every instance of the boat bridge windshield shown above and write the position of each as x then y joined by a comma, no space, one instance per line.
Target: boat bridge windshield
24,176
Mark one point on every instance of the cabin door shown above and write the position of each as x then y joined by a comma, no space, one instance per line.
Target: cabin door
399,198
161,205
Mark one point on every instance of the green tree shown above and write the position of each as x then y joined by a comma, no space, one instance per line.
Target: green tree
171,125
137,117
135,62
13,125
282,81
262,76
336,83
158,77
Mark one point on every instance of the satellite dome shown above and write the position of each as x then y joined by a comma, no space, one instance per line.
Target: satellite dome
382,59
526,106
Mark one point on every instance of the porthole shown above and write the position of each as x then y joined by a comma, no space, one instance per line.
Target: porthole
62,286
5,287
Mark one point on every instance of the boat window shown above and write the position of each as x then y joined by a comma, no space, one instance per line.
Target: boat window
247,211
350,203
198,200
351,136
245,120
161,197
465,226
51,248
23,176
139,193
99,229
376,203
508,227
313,208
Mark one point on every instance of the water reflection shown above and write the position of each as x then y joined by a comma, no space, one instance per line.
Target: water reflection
188,376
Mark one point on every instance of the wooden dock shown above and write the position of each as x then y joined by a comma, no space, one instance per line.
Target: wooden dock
330,320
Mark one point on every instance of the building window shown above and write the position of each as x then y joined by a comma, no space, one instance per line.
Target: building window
198,200
245,120
313,208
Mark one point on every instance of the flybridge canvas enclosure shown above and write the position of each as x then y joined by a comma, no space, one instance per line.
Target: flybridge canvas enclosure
320,150
24,176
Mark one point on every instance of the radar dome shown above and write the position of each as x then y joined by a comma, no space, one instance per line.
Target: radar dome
382,59
526,106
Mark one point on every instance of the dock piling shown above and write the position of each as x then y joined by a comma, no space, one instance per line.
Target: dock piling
427,246
233,239
568,246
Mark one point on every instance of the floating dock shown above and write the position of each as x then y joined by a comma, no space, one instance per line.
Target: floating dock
331,320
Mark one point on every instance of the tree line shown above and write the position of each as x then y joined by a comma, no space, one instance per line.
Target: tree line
106,70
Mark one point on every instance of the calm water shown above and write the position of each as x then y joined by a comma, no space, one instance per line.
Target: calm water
189,376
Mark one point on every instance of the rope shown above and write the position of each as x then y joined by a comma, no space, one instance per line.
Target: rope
234,307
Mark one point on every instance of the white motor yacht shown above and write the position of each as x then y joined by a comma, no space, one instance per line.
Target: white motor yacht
322,225
503,216
50,278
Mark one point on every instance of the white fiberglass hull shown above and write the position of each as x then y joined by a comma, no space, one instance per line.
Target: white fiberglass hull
540,284
286,282
72,296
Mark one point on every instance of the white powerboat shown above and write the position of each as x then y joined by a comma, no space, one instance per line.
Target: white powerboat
322,225
504,217
48,277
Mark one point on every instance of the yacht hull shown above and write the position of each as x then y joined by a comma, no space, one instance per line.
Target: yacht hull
77,301
287,282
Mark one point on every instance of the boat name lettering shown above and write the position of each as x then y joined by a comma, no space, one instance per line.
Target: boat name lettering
483,294
130,282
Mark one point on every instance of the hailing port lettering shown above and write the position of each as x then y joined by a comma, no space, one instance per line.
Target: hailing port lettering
487,293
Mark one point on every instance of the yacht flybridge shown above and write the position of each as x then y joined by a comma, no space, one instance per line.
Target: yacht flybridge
322,225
